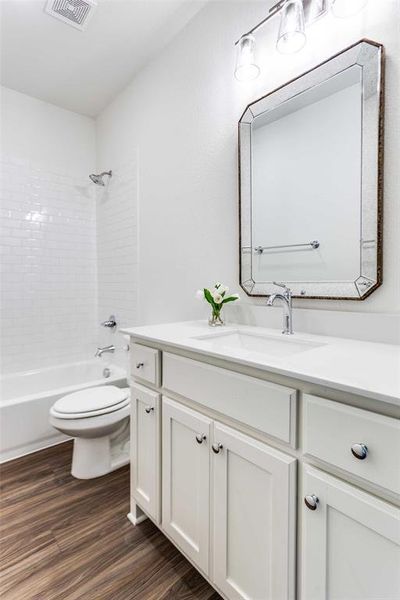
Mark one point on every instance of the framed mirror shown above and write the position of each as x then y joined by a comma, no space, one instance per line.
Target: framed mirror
311,181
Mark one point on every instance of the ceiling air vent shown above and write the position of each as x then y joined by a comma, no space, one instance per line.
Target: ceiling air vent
73,12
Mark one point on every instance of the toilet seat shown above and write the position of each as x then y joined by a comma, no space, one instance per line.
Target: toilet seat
91,402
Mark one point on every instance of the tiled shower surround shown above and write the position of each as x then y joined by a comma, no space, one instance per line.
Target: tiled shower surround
62,275
48,280
117,255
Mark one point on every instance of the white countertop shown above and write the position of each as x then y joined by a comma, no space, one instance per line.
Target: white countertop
368,369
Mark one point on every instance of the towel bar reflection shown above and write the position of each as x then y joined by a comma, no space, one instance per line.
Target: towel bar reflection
314,245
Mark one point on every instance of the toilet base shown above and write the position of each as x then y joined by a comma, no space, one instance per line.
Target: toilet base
94,457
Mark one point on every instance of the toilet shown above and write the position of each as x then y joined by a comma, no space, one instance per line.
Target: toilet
98,420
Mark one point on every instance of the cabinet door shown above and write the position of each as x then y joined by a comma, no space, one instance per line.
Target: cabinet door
145,443
186,480
254,509
351,542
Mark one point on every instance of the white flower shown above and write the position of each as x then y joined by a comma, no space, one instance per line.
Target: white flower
220,288
200,295
217,298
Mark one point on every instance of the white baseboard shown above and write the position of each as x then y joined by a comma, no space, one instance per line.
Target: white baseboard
8,455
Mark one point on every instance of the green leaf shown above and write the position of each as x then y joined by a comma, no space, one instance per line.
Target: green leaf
229,299
208,297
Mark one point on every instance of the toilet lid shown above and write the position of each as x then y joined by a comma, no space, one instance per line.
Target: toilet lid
93,413
96,399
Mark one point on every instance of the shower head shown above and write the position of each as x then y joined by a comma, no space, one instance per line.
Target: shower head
98,179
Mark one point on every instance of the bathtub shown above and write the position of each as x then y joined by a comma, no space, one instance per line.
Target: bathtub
25,400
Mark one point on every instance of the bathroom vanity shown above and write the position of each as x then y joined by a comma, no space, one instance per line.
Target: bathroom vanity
272,462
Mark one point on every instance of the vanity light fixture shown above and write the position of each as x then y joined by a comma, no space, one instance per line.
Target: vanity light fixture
246,67
296,15
315,9
291,36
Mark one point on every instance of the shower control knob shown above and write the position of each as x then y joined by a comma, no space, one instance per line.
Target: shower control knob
311,501
359,451
149,409
111,322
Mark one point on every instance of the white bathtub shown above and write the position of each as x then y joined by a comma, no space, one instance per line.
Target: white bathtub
26,399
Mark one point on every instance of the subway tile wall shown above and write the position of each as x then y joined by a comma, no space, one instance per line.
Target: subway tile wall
48,279
117,255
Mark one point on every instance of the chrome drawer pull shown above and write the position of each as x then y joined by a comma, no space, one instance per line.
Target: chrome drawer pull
360,451
217,448
139,365
200,438
148,409
311,501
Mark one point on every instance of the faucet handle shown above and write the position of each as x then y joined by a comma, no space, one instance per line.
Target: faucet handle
283,285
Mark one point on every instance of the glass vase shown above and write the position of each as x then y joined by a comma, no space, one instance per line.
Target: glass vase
215,320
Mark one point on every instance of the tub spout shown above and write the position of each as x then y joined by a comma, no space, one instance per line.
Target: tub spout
103,350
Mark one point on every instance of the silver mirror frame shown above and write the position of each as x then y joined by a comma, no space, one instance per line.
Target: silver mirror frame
369,56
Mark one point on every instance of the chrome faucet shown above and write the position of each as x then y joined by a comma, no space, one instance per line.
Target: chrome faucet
286,297
101,351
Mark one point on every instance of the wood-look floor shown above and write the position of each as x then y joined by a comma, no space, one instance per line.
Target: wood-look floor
63,538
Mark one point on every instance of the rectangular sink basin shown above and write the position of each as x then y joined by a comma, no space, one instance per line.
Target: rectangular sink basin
262,344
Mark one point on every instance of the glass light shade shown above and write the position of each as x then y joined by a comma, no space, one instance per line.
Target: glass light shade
246,67
347,8
314,10
291,37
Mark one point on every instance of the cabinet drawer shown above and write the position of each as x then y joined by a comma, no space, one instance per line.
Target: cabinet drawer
331,431
145,364
265,406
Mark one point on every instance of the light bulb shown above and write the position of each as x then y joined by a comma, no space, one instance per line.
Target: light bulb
246,67
291,36
347,8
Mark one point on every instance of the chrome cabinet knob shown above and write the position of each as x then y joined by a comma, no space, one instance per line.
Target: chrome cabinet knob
217,448
149,409
360,451
200,438
311,501
139,365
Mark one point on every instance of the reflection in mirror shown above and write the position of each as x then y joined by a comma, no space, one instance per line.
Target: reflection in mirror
309,181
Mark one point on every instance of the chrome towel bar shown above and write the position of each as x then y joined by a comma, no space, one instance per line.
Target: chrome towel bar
314,245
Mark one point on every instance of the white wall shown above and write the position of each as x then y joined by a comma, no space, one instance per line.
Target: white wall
180,114
48,241
46,135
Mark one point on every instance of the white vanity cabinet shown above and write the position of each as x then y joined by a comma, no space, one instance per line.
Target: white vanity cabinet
250,497
145,455
254,507
351,542
273,491
186,480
